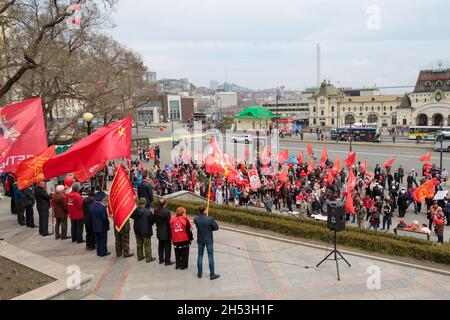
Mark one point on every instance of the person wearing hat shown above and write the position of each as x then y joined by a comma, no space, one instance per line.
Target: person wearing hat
182,236
60,212
143,230
100,223
402,203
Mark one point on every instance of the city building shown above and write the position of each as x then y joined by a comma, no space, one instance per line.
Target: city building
297,109
430,101
331,107
150,77
213,85
255,118
225,100
167,108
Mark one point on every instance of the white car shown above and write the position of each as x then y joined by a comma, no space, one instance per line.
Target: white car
247,139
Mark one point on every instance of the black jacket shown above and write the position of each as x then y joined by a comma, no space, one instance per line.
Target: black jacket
205,227
162,220
403,201
42,199
145,191
27,197
143,222
87,202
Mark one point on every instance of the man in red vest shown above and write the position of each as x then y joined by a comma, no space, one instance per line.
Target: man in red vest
75,206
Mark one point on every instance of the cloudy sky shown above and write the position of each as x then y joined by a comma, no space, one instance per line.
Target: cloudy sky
270,43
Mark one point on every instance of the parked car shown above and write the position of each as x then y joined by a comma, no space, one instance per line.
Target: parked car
247,139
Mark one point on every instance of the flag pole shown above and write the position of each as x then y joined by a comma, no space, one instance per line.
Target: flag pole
103,179
209,194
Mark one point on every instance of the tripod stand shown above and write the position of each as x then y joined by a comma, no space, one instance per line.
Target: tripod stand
336,253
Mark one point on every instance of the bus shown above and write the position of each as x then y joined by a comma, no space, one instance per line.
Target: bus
361,134
445,142
425,133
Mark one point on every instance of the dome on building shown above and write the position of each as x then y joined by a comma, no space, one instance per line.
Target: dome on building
327,90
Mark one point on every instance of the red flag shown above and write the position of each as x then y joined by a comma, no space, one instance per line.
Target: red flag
426,191
300,158
351,160
266,155
363,167
426,158
310,150
214,160
324,158
109,143
331,178
389,163
122,200
337,166
351,181
255,181
283,177
30,171
22,133
84,175
311,166
283,157
349,207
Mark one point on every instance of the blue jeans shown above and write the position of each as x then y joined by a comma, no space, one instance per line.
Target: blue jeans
201,250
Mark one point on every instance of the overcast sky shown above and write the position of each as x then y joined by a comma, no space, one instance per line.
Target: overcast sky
270,43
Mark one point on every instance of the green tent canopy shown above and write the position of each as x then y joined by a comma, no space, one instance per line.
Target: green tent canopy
255,112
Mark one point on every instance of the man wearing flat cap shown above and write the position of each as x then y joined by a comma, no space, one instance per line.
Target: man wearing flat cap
100,223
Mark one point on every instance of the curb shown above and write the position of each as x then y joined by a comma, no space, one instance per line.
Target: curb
350,253
381,145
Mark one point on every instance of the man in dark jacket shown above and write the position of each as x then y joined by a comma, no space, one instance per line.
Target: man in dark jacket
90,237
100,224
162,220
205,227
28,202
60,212
143,222
43,207
145,191
402,203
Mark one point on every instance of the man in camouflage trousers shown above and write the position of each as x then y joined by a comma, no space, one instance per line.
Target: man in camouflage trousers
123,241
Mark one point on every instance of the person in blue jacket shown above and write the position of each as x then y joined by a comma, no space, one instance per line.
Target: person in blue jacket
100,224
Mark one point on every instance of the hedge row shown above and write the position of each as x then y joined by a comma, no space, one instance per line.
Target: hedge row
371,241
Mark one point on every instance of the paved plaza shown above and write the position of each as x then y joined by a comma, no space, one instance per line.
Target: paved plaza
251,268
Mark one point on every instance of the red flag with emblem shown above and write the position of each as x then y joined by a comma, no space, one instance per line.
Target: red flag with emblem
255,181
214,161
22,133
426,191
108,143
122,200
30,171
426,158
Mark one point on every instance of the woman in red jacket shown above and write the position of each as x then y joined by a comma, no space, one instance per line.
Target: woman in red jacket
181,237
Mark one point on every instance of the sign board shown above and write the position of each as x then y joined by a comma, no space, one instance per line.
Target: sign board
441,195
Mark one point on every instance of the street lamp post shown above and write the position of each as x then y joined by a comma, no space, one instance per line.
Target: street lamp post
442,147
278,113
350,138
88,117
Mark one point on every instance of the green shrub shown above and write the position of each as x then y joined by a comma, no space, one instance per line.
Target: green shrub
367,240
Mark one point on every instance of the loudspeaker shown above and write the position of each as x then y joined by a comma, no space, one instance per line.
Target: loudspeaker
336,216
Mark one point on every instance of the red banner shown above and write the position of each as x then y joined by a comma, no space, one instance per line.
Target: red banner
389,163
85,175
255,181
108,143
22,133
351,160
426,191
122,200
30,171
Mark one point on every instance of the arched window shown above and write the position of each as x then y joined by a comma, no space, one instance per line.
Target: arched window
422,120
438,120
373,118
349,119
